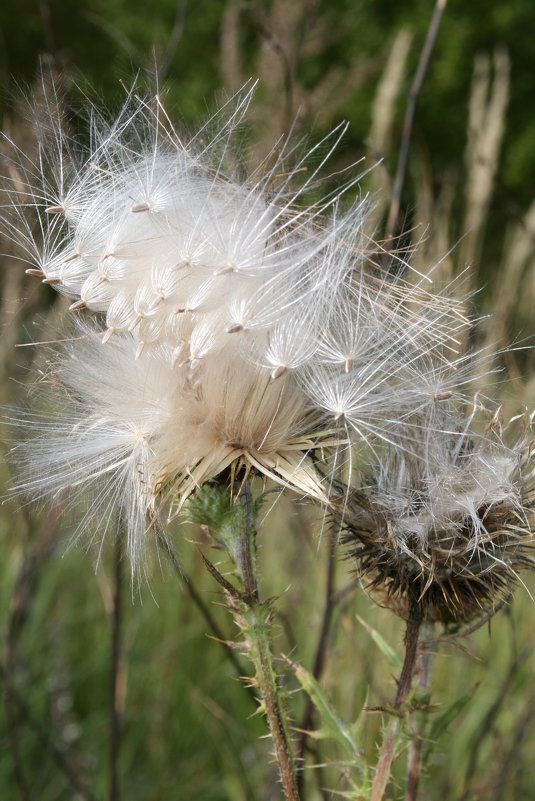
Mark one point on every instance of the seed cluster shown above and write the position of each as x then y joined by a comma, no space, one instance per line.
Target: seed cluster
221,322
447,531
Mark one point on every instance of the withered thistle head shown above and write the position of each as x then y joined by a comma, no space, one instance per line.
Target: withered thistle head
444,526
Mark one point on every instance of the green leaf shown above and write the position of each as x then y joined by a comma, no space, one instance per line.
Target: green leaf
393,659
334,727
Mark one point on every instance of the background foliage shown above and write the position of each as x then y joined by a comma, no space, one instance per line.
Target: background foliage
186,722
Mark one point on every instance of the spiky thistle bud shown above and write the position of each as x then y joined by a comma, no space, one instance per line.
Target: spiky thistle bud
444,523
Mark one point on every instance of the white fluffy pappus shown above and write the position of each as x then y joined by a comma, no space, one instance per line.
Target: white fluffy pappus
125,429
231,325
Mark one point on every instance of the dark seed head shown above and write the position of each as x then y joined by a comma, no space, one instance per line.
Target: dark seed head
460,554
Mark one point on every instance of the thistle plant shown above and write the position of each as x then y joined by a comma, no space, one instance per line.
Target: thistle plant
225,326
218,321
439,535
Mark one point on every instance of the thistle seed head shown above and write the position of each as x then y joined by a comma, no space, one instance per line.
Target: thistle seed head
446,524
217,321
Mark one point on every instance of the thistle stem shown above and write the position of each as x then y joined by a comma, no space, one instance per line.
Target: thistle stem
421,675
260,652
197,599
384,765
253,616
412,632
257,616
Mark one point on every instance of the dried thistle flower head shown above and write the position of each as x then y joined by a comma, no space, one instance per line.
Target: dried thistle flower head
219,321
445,522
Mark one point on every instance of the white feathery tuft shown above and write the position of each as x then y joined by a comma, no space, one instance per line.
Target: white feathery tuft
230,323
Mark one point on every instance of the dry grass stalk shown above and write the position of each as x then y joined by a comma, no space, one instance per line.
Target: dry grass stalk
487,109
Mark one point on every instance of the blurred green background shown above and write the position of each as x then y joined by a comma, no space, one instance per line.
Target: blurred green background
187,725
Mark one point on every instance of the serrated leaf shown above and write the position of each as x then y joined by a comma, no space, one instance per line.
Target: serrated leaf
393,659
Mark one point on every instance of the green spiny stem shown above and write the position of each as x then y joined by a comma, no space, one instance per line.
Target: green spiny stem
257,616
382,773
238,532
260,653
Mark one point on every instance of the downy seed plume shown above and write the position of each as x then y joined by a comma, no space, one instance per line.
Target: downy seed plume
446,524
218,321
